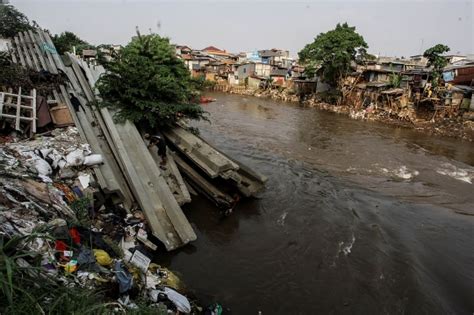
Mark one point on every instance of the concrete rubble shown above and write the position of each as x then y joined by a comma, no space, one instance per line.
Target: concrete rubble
129,174
80,241
98,196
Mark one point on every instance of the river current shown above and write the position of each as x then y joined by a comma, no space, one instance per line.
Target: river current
357,218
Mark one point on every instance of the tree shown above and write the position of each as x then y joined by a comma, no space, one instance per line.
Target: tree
331,53
67,40
436,61
12,21
148,85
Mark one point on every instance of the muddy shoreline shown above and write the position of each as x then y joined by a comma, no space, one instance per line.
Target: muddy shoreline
458,128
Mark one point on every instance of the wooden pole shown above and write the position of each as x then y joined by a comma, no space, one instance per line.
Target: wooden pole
2,99
18,110
33,105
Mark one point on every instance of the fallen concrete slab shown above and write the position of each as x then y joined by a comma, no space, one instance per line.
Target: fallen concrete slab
172,175
222,200
166,219
202,154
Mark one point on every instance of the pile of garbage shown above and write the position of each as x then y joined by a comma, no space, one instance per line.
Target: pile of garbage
50,202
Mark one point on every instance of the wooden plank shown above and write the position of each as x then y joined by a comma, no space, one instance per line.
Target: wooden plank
2,100
15,105
33,105
18,110
15,117
32,38
31,49
24,48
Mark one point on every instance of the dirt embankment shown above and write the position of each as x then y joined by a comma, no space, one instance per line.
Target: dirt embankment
459,127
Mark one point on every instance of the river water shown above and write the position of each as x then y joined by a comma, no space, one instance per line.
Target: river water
357,218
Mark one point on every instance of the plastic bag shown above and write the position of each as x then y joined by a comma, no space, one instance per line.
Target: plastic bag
102,257
75,158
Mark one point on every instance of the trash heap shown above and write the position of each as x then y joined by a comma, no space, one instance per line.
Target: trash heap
50,210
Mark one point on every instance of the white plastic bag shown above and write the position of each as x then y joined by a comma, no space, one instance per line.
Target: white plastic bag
75,158
93,159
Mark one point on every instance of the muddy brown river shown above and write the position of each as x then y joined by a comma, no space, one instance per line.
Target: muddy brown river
357,218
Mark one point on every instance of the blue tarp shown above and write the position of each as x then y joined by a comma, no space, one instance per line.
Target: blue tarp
448,76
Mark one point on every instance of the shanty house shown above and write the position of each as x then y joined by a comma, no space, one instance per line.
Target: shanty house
275,57
461,73
181,50
216,52
253,68
279,75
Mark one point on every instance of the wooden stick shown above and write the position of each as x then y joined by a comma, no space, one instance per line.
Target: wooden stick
18,110
33,103
2,98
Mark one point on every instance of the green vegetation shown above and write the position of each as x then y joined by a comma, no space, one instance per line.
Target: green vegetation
331,53
395,79
436,61
12,21
67,40
148,85
25,289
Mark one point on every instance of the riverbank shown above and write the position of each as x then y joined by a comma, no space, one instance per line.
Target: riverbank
85,252
396,192
459,127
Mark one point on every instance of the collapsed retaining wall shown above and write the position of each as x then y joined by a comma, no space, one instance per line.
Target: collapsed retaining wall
461,127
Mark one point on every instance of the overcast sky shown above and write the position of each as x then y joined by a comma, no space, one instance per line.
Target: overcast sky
396,28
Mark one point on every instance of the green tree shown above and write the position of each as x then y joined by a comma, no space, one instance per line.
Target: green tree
148,84
331,53
436,61
12,21
67,40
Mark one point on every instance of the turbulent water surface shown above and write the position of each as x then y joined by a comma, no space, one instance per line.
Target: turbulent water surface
357,218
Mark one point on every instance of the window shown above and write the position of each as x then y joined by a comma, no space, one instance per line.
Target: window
245,70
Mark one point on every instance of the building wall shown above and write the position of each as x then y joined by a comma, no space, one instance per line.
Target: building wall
233,80
253,83
243,71
4,43
263,70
